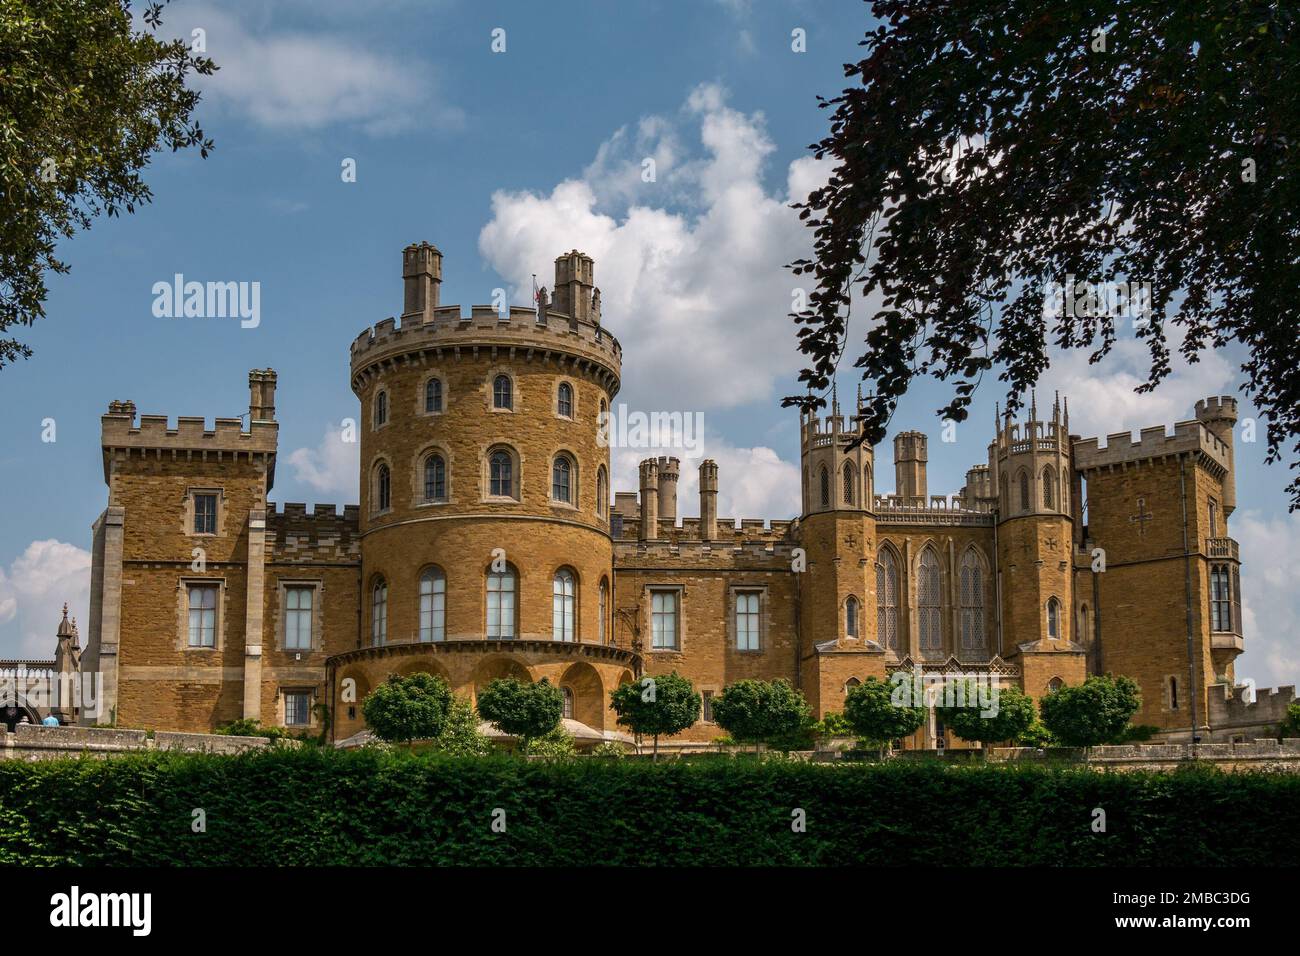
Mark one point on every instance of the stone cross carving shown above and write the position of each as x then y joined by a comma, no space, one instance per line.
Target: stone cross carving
1141,518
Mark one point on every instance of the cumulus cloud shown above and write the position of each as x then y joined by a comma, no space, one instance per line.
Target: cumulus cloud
301,81
33,590
697,255
1270,595
331,467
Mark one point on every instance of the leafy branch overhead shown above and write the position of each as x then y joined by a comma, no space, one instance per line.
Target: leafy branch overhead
990,151
85,100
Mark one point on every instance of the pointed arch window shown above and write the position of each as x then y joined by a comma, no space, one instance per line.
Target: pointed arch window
887,599
602,633
383,488
567,712
602,493
564,400
826,487
848,482
1054,619
433,606
503,392
562,479
501,474
972,603
501,604
868,485
379,613
1024,491
433,395
563,596
435,478
851,617
1049,484
381,408
928,593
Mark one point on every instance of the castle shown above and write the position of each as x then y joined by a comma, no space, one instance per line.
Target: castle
487,543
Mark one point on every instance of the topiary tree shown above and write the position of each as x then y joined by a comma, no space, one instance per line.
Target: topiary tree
460,735
757,711
664,704
1091,713
873,714
556,744
1010,717
521,709
413,707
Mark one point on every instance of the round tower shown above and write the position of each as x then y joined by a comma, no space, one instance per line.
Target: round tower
1219,416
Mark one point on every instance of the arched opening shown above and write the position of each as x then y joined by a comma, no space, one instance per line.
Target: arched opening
851,617
887,585
564,400
929,596
587,691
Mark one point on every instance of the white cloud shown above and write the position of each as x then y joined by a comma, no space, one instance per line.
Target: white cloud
32,592
1270,597
696,256
332,467
300,81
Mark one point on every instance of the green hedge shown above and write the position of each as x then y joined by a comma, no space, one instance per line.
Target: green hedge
309,806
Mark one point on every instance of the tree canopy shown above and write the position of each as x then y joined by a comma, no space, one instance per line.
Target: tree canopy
85,100
872,713
1094,712
970,721
759,711
990,153
665,704
522,709
414,707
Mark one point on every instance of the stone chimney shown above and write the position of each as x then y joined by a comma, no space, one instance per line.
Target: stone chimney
261,395
421,276
708,499
649,499
669,471
575,274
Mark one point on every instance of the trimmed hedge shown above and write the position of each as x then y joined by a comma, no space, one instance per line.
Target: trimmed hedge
321,807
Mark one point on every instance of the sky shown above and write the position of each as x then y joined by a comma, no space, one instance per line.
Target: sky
505,158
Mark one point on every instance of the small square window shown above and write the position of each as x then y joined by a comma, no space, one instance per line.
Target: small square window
205,514
297,708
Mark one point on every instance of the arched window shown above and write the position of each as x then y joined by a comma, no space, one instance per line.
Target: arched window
602,491
433,395
868,485
927,604
851,683
381,408
1024,491
887,599
1049,482
379,613
848,482
602,634
851,617
1004,493
562,479
1054,685
501,477
433,606
435,478
1084,631
1214,518
972,602
826,487
562,605
502,392
1054,619
501,604
564,400
568,702
383,488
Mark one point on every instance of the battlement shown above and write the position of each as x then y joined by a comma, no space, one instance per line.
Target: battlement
319,535
1229,707
119,430
1217,407
1189,437
820,431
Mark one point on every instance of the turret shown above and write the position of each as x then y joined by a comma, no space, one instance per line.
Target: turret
838,475
1219,415
261,395
910,456
649,500
708,499
574,285
421,275
669,471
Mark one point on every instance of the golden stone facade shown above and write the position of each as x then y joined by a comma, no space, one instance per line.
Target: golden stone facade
487,542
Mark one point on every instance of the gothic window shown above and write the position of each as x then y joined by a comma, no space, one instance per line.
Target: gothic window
602,483
381,409
887,599
602,634
564,400
562,479
433,395
501,604
503,392
567,712
1024,491
867,486
927,604
383,488
562,605
851,683
851,617
1049,480
1214,518
379,613
972,602
1054,619
826,487
1054,685
501,474
848,482
435,478
433,606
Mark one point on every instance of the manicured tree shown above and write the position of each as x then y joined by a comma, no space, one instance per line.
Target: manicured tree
1005,717
408,708
460,735
1094,712
664,704
875,715
757,711
521,709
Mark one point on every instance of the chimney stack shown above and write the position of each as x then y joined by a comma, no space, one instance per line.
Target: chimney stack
261,395
669,470
649,499
708,499
421,277
575,274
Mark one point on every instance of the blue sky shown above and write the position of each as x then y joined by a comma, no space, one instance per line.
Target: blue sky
503,160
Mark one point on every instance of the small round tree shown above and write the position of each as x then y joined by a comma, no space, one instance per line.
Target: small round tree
759,711
874,715
460,735
1094,712
408,708
664,704
520,709
988,721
